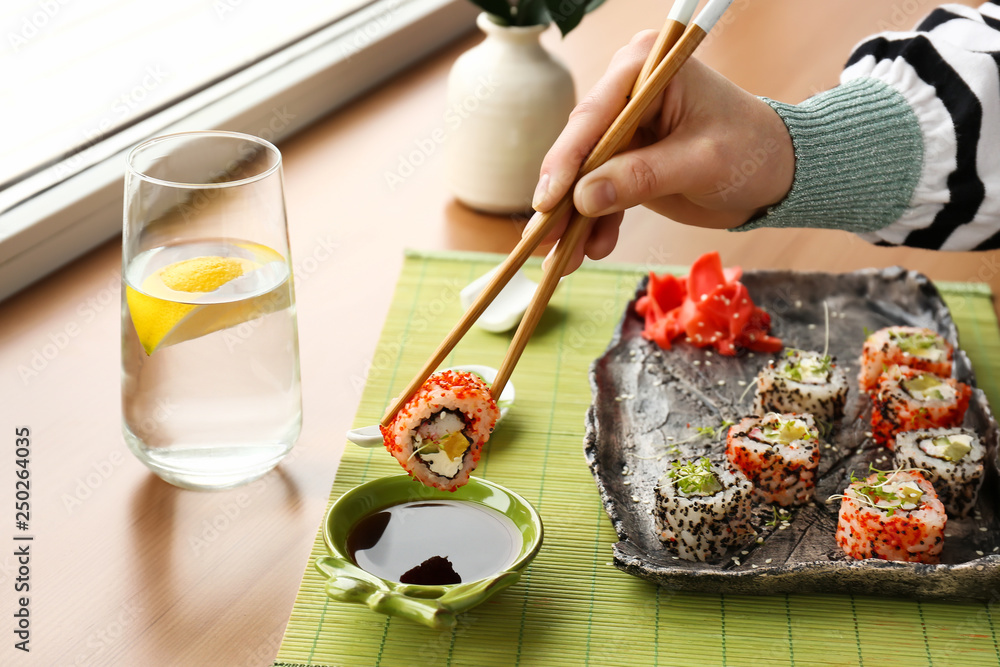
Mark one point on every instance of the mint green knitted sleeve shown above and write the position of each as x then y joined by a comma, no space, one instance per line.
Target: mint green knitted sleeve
858,157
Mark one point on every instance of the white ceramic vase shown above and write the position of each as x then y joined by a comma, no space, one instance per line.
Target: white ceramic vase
508,100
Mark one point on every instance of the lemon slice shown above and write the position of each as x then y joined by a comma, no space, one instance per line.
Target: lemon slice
162,315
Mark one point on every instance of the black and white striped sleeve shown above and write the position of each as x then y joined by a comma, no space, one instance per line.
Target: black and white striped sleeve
906,151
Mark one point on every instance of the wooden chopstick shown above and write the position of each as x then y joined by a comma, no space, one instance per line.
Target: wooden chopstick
613,140
579,225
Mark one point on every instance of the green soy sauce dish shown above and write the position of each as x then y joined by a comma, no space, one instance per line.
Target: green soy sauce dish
423,554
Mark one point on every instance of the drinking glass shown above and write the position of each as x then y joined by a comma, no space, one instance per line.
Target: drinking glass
211,396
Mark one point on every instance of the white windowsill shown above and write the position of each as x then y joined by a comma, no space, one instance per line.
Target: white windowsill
49,219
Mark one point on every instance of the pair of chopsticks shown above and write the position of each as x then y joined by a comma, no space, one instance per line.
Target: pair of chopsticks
675,43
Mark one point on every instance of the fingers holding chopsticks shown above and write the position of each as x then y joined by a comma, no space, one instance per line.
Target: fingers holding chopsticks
707,154
589,121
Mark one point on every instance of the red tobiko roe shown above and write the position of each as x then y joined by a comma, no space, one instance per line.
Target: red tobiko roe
709,307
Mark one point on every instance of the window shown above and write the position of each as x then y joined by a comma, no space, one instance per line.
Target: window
83,82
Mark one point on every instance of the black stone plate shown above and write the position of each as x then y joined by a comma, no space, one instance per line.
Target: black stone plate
643,397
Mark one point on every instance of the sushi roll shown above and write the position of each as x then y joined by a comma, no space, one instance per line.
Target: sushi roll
802,382
438,435
893,515
779,454
702,508
907,399
951,459
914,347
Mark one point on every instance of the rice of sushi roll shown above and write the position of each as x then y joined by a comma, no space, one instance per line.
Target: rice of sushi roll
779,454
908,399
951,459
802,382
893,515
702,508
438,435
914,347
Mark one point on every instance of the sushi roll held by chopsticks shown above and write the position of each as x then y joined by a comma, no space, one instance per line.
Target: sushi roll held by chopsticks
438,435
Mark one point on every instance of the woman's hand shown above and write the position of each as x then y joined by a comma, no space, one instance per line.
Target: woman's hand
707,153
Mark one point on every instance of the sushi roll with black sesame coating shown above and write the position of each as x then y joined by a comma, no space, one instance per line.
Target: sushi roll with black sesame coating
802,382
779,454
702,508
891,515
914,347
908,399
951,459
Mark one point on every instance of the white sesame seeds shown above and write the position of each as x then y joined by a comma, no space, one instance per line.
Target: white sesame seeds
768,560
868,434
979,568
741,383
721,383
760,540
980,552
736,561
627,483
751,355
744,552
753,565
709,363
982,529
708,353
635,499
811,326
798,304
696,362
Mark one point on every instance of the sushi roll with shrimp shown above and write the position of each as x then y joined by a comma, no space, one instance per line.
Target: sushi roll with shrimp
914,347
951,459
908,399
438,435
702,508
802,382
779,454
894,515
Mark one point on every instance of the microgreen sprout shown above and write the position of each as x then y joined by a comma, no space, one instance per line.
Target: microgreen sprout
694,477
702,432
915,343
810,363
892,498
778,517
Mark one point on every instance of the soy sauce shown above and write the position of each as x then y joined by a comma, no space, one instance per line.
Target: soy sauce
434,543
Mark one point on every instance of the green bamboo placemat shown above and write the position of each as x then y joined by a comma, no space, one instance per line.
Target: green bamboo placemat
572,607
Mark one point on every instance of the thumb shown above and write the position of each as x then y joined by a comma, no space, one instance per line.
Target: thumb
638,176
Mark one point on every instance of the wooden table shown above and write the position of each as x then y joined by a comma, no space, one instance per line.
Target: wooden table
127,570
